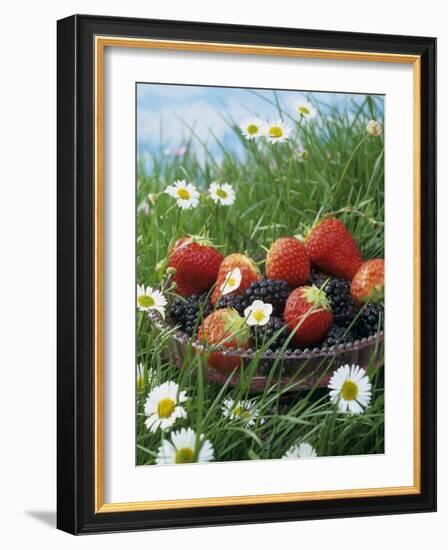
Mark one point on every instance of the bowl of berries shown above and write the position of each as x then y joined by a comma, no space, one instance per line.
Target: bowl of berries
317,306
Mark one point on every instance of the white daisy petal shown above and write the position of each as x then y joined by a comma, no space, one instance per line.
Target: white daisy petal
182,448
149,299
223,193
277,131
350,388
258,313
231,282
186,194
364,402
206,454
303,450
354,407
253,128
182,396
162,406
305,110
243,410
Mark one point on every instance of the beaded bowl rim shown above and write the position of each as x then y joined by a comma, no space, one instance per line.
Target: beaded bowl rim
183,338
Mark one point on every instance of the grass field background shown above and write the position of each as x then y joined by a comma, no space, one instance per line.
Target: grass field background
277,194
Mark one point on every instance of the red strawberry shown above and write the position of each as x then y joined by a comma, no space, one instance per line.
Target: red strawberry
248,271
333,250
225,327
308,312
197,265
368,283
288,260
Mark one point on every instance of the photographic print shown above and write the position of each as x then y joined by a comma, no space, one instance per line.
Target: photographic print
221,247
260,274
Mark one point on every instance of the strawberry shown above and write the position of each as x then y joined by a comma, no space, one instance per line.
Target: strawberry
197,265
225,327
242,267
308,313
333,250
368,283
288,260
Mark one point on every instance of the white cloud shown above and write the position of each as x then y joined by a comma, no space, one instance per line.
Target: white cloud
180,93
175,124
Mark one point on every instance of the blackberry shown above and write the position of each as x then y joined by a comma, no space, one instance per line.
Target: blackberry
271,291
337,335
262,334
317,278
189,312
369,321
338,292
235,301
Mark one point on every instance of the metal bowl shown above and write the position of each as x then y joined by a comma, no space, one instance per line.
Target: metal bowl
294,370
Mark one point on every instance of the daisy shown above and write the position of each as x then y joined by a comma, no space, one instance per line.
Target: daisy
253,128
149,299
305,109
163,407
304,450
258,313
186,194
222,193
350,389
141,379
277,131
243,409
182,448
231,282
302,154
374,128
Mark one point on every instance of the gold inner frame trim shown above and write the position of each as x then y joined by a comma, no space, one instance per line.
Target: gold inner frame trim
101,42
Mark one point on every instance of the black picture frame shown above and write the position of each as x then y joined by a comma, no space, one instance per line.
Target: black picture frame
76,254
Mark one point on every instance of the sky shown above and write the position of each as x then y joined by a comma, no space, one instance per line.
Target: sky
166,113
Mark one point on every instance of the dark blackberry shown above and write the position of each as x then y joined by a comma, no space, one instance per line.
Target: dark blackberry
317,278
369,321
338,291
337,335
189,312
262,334
235,301
271,291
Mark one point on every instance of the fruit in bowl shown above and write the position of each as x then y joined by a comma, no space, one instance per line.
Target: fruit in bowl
196,263
292,325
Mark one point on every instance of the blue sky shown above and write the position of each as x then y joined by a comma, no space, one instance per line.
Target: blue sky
165,112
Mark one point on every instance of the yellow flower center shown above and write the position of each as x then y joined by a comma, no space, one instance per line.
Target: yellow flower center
241,412
252,129
221,193
146,301
258,315
349,390
230,282
184,455
165,407
275,131
183,193
304,110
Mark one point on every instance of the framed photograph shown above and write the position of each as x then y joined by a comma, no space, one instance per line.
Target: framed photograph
246,274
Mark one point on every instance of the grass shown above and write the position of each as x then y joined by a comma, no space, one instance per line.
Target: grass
276,195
